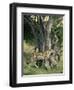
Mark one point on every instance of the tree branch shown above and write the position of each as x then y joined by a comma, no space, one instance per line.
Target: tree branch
49,23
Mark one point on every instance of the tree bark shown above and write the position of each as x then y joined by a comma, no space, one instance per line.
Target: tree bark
48,35
46,29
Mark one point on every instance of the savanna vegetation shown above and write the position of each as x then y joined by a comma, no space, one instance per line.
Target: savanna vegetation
42,44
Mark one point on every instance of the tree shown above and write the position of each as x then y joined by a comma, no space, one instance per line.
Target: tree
45,31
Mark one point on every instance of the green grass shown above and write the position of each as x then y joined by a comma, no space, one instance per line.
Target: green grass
30,69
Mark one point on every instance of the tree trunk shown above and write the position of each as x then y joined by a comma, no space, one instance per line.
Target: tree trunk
46,30
48,35
42,37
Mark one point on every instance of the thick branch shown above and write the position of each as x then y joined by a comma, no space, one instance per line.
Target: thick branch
49,23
